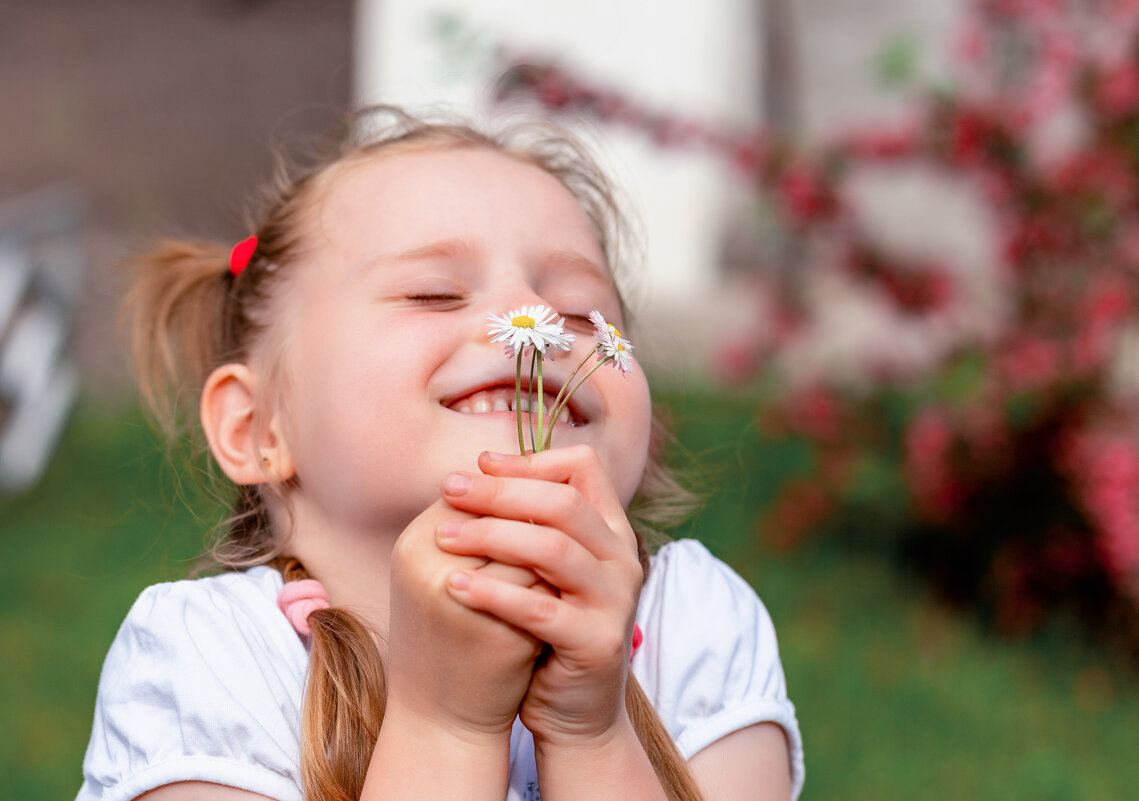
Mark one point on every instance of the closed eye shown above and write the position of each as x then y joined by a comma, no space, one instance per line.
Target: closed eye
446,299
578,322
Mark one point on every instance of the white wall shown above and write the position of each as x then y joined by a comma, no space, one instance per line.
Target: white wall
676,56
682,56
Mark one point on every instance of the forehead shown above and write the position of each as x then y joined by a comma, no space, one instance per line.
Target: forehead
400,200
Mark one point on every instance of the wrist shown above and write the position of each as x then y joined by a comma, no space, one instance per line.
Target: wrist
418,756
608,765
436,726
582,742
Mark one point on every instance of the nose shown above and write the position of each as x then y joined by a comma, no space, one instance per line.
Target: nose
511,298
516,293
530,315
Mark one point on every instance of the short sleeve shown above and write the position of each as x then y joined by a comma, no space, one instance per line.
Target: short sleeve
710,659
203,682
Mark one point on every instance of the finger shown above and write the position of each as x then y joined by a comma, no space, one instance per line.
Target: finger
577,466
511,574
545,552
545,617
544,503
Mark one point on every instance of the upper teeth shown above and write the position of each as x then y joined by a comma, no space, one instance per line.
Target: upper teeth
501,399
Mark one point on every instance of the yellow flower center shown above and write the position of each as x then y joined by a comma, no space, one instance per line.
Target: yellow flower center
613,330
522,321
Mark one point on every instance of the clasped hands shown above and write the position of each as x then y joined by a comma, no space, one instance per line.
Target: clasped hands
514,595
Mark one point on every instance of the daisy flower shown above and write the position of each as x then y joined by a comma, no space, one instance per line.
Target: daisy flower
610,344
536,327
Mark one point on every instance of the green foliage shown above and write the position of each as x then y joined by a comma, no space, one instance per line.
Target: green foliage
896,696
107,520
896,65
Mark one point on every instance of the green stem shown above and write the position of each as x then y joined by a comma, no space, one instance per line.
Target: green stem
562,396
565,400
541,403
569,379
534,357
518,403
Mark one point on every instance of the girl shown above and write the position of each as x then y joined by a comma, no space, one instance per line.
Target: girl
387,561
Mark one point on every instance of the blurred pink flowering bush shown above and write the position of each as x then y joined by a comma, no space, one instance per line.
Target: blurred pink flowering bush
1014,431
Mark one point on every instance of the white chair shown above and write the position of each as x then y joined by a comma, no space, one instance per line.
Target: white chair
40,277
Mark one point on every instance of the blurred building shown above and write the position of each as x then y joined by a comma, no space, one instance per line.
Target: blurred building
803,65
157,115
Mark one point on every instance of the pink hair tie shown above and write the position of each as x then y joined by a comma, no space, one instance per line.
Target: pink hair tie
638,638
299,599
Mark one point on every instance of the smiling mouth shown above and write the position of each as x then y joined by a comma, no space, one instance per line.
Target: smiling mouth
502,399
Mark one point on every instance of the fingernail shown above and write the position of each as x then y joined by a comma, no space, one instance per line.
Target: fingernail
448,529
456,483
460,581
494,456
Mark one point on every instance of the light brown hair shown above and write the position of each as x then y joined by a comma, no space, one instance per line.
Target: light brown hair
187,316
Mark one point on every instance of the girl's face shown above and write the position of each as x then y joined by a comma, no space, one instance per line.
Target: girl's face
392,380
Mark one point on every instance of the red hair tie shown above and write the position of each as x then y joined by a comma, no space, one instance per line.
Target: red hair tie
241,254
299,599
638,638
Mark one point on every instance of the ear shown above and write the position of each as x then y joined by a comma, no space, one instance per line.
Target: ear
249,451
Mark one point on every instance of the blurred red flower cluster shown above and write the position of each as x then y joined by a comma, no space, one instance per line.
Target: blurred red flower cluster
1016,440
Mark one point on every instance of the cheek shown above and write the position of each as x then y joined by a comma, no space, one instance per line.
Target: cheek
628,445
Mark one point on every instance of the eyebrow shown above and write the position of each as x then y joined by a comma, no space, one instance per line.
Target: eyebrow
462,249
573,259
444,248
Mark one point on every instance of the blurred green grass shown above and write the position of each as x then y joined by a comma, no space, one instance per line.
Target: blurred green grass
897,697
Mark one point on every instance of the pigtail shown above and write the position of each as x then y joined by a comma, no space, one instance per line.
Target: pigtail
343,708
671,768
176,319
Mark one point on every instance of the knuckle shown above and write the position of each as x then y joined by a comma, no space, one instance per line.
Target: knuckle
567,503
491,489
555,547
633,573
471,533
611,641
543,609
584,453
404,550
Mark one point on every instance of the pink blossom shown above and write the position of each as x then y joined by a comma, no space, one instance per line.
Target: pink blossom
814,412
996,184
972,43
1122,12
805,195
928,450
1105,471
1109,301
886,141
1116,91
1103,174
1055,72
1107,304
737,360
1127,244
1029,363
749,157
967,137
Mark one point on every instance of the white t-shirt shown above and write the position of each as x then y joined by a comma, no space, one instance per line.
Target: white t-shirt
204,680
